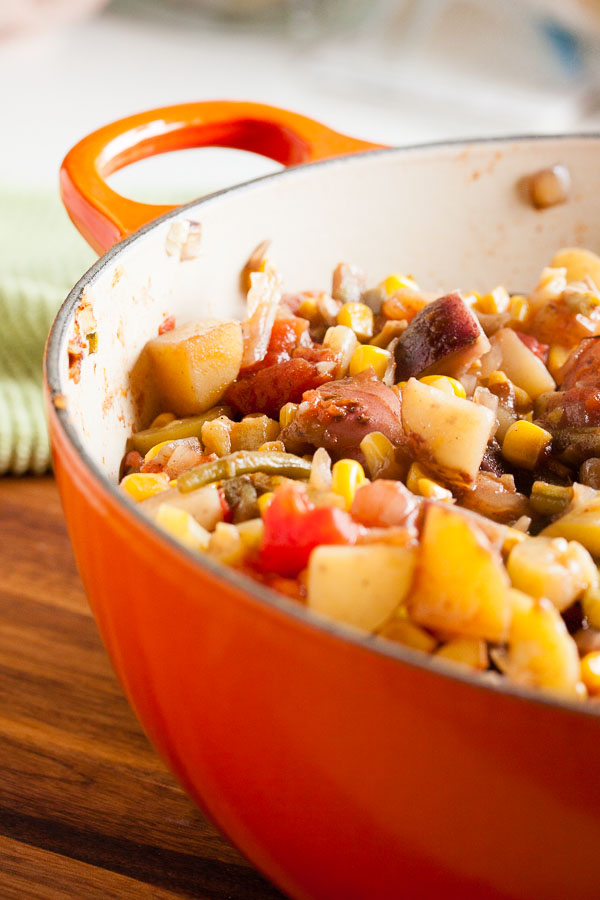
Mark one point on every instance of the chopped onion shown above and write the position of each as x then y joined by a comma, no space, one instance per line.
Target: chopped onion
264,297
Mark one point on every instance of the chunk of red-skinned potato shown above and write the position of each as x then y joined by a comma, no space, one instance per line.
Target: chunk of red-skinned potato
460,584
444,338
193,365
447,433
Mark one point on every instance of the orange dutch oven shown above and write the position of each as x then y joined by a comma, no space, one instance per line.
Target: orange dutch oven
343,766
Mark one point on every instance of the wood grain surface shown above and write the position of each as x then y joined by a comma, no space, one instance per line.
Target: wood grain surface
87,810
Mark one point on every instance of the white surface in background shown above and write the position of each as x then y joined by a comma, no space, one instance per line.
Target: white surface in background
57,87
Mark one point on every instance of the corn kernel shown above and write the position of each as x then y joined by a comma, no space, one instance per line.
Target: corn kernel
445,383
308,309
287,414
524,443
226,544
143,485
366,356
182,526
590,672
346,477
557,357
264,501
420,482
497,301
273,447
497,377
519,308
153,451
251,532
358,317
162,420
405,632
342,340
397,282
470,652
378,451
512,537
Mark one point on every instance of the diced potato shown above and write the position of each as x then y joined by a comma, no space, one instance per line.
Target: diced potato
541,653
194,364
182,526
403,631
204,504
460,583
447,433
226,544
578,263
553,568
470,652
216,436
360,585
252,432
522,366
582,524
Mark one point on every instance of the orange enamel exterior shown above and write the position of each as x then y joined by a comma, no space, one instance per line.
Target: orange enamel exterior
104,217
343,771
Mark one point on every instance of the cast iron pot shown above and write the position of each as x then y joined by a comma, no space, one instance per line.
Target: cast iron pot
342,766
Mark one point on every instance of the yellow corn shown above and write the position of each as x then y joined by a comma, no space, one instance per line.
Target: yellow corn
152,452
264,501
308,309
512,537
271,446
378,451
519,308
497,377
397,282
419,482
590,672
251,532
162,420
143,485
287,414
497,301
216,435
182,526
346,477
445,383
470,652
226,544
366,355
524,443
405,632
358,317
557,357
342,340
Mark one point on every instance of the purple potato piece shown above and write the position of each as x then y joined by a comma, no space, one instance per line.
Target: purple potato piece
444,338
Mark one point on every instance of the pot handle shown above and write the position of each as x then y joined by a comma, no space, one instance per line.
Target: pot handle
104,217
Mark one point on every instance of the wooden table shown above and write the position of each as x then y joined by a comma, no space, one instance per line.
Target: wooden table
87,810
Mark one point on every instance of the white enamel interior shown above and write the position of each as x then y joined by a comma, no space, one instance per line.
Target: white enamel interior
450,215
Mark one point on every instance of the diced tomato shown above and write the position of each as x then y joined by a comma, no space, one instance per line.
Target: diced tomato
540,350
225,507
267,390
286,336
167,324
294,526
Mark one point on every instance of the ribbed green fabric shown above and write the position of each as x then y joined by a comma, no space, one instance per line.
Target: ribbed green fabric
41,258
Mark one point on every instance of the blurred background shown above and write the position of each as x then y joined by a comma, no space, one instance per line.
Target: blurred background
393,71
389,71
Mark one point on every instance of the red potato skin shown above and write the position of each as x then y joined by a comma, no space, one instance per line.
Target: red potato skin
579,394
339,415
444,337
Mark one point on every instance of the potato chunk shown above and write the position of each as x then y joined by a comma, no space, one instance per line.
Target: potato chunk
446,432
541,653
578,263
521,365
553,568
460,585
193,365
359,585
582,524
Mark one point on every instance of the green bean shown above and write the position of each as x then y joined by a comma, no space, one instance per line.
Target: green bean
243,463
142,441
575,445
550,499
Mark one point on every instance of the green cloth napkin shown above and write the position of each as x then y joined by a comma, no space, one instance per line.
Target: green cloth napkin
41,258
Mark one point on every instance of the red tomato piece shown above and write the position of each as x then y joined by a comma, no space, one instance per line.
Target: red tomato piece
294,526
267,390
540,350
